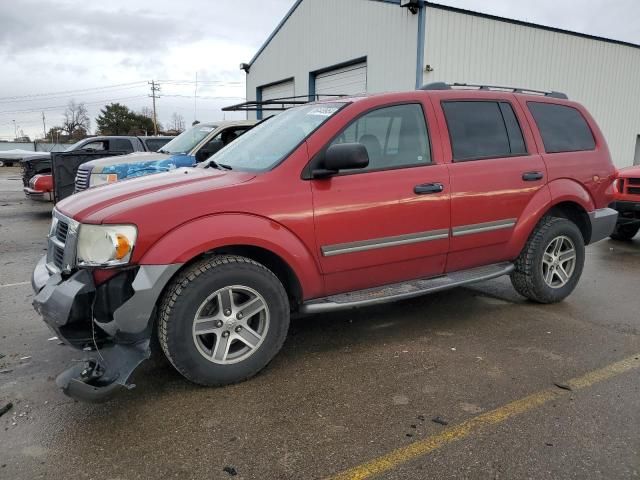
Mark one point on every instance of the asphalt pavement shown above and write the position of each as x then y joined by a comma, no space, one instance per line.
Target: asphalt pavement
518,390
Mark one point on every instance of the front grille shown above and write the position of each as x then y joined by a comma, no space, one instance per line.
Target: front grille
634,190
82,179
634,181
62,231
61,248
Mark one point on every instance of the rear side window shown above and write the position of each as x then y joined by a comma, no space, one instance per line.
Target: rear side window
562,128
480,129
121,145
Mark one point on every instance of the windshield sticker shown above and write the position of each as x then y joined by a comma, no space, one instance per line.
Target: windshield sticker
206,129
323,111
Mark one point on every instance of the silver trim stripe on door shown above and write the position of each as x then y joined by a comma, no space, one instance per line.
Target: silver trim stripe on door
362,245
483,227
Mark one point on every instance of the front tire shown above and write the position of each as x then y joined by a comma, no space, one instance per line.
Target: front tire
223,319
551,263
625,232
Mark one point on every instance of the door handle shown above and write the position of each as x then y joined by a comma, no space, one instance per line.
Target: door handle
532,176
427,188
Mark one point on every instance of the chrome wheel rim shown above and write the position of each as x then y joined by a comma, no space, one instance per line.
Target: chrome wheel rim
559,262
231,324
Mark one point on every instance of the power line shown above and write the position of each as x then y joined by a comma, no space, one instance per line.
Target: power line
83,90
56,97
58,107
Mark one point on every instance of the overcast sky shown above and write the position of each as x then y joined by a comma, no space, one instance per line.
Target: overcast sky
98,52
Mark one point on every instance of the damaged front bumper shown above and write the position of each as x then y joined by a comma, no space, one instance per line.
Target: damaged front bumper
111,323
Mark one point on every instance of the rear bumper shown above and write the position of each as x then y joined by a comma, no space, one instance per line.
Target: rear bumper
603,221
113,346
37,195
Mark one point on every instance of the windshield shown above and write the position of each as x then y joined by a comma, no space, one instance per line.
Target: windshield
268,143
188,139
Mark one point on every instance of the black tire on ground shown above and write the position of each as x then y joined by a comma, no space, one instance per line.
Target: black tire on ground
625,232
180,306
528,278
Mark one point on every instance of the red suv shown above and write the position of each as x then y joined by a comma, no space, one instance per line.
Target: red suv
329,205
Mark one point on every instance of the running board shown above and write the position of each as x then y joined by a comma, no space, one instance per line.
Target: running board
404,290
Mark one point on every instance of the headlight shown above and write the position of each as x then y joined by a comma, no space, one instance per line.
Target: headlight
102,179
105,245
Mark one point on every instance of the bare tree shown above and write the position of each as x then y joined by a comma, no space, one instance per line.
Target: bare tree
177,122
75,117
146,112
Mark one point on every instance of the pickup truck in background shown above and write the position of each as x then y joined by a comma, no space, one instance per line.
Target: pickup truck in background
186,150
627,203
36,170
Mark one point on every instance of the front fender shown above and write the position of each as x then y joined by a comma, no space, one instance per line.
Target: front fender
216,231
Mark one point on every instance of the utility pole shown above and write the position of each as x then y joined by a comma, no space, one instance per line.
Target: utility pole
154,88
44,127
15,130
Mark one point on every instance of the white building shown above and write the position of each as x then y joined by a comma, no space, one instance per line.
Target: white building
357,46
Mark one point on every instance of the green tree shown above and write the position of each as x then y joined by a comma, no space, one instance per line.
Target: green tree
118,119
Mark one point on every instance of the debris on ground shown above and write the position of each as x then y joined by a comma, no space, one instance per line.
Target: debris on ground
52,339
439,420
6,408
548,444
2,355
563,386
421,418
6,370
25,358
230,470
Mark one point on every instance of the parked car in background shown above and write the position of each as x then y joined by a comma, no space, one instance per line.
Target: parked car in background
36,170
187,149
327,206
627,203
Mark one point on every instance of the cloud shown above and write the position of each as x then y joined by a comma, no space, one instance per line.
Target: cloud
53,26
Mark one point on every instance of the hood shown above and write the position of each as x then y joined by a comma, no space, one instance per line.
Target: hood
34,158
179,190
629,172
136,157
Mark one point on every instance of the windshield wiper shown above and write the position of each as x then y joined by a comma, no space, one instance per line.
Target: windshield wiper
162,150
219,166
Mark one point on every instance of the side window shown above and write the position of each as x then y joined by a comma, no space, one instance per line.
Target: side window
99,146
480,129
562,128
393,136
121,145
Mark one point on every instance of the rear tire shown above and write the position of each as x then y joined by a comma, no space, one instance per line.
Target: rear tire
551,263
625,232
223,319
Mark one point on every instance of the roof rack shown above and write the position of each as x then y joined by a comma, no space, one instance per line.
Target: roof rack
449,86
279,104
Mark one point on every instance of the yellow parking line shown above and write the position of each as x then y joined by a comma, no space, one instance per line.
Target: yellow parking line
401,455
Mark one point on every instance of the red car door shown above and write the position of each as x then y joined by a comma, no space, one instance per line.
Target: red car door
495,171
390,221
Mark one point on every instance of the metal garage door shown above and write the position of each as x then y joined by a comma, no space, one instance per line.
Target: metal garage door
346,80
284,89
278,90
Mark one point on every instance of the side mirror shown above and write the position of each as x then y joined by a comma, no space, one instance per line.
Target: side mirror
343,156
